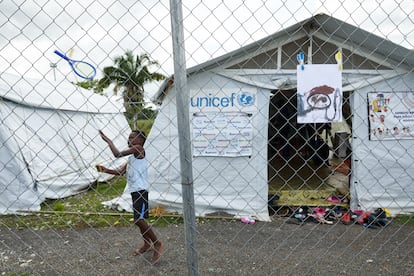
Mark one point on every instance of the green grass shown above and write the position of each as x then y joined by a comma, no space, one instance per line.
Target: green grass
81,210
86,210
405,219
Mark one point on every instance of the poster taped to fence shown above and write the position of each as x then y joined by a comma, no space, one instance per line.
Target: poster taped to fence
319,93
391,115
228,134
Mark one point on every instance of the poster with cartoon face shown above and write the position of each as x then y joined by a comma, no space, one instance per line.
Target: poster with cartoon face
319,93
391,115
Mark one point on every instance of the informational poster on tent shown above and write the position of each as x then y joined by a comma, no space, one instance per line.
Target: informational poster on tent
228,134
222,121
319,93
391,115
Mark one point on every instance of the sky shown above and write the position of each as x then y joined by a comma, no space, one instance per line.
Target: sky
97,31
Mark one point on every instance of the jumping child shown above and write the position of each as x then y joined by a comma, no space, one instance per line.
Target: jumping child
137,184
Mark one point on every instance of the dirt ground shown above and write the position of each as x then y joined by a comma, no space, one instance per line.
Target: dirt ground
225,247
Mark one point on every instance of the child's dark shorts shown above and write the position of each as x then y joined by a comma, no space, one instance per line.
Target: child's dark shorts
140,204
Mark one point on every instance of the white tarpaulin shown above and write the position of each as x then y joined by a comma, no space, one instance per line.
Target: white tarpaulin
49,141
382,169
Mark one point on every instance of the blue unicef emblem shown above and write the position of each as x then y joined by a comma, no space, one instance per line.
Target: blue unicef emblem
246,99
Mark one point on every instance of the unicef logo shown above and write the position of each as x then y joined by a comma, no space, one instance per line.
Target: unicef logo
246,99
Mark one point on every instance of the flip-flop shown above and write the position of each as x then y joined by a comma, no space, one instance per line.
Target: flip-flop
333,199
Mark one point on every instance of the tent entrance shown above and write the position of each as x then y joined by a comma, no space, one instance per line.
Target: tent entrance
299,155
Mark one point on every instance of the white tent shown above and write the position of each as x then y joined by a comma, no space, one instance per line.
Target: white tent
49,141
238,184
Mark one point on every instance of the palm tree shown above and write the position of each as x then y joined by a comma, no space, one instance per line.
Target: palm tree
130,74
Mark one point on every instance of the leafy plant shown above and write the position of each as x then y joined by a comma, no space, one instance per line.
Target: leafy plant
129,74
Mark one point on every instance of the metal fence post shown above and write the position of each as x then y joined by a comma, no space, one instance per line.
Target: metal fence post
180,79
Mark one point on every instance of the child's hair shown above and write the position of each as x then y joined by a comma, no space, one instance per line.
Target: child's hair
140,134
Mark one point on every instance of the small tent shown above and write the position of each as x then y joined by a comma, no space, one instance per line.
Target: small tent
234,95
49,141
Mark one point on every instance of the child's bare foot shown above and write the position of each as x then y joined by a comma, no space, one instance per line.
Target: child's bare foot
146,247
158,249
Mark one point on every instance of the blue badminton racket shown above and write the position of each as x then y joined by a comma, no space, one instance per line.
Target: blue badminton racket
83,69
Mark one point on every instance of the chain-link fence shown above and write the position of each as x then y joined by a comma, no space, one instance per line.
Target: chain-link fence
279,137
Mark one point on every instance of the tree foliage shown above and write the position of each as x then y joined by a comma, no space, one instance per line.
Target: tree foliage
129,74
